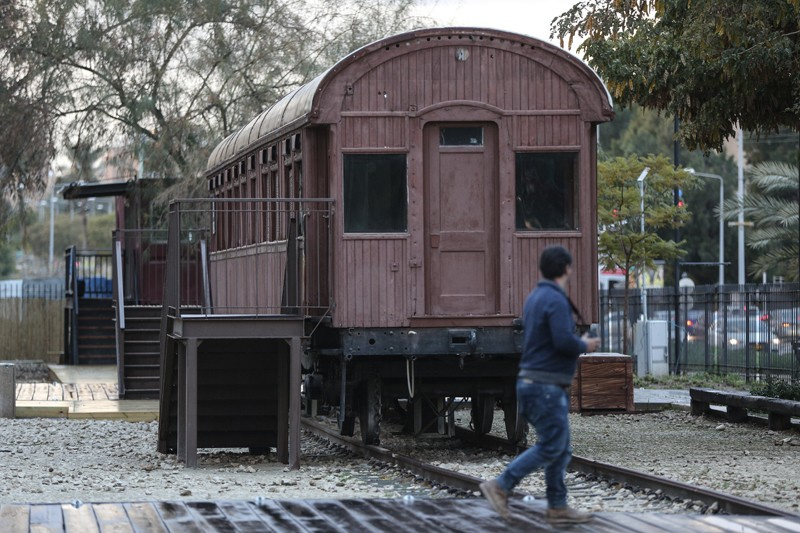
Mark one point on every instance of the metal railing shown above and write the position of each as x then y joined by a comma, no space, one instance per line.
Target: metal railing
87,274
143,258
750,330
261,256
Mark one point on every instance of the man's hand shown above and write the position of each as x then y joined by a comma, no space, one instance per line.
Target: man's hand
592,342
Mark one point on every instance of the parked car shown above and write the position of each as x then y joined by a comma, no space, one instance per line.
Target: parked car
737,332
695,324
787,323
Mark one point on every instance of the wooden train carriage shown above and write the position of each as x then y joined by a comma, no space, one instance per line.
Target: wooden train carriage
453,157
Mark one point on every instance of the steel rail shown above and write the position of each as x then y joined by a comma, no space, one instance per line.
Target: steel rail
432,473
727,502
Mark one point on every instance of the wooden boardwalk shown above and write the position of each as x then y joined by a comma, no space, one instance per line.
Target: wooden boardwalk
376,515
81,392
56,392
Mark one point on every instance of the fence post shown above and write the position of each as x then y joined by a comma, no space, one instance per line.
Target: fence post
8,390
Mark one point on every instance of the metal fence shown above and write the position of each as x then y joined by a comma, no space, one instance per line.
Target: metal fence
258,256
750,330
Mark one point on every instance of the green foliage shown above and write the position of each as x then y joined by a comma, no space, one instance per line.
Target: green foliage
70,231
636,130
7,266
775,388
771,204
713,64
621,242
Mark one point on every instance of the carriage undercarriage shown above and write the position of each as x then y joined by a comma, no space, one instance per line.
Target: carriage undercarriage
422,375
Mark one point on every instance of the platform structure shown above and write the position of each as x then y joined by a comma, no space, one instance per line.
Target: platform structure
465,515
227,382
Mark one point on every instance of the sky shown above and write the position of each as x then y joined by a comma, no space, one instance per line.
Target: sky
530,17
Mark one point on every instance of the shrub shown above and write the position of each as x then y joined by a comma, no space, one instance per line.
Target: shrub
775,388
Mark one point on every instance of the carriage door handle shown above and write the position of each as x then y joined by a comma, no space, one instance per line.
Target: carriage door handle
434,240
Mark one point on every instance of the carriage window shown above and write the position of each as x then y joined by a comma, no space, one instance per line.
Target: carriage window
374,193
461,136
546,191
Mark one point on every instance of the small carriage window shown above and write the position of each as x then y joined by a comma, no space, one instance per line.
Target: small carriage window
546,191
374,193
461,136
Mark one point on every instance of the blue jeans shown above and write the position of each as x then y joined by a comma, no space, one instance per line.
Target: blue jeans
546,407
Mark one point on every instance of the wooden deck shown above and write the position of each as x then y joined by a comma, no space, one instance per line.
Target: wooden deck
83,392
378,515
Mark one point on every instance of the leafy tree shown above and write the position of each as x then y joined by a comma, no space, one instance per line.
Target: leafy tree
7,266
713,64
621,243
636,130
172,78
771,203
68,233
26,141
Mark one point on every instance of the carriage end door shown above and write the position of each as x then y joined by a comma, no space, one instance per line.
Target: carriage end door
461,219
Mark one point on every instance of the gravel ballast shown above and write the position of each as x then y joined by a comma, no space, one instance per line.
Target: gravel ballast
60,460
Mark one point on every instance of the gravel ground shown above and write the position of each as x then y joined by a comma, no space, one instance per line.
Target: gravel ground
60,460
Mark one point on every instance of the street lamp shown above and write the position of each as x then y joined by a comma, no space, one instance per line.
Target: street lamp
640,180
721,224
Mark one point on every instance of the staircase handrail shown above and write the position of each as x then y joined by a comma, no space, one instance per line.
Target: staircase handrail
206,281
71,303
119,294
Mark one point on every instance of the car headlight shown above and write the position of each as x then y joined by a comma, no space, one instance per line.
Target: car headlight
776,340
733,342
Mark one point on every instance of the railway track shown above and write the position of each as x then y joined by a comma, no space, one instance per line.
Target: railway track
727,503
592,470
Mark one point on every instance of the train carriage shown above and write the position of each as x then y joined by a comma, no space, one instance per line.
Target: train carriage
449,158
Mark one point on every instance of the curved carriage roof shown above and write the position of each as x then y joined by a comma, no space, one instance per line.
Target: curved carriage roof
295,109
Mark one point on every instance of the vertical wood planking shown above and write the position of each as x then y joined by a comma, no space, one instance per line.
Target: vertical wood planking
374,293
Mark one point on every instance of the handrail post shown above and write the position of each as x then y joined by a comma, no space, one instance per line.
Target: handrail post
206,282
119,307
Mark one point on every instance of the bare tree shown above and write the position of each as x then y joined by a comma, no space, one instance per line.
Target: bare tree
171,78
26,140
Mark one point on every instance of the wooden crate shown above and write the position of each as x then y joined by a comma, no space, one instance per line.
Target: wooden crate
603,382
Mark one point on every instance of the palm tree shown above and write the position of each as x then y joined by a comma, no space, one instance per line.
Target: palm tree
771,204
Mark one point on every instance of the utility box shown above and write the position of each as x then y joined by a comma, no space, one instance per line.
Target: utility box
651,347
603,382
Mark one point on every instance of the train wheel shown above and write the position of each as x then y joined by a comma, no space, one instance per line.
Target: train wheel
482,413
347,426
370,411
516,426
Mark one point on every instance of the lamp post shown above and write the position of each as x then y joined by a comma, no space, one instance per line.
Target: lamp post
721,223
52,231
640,180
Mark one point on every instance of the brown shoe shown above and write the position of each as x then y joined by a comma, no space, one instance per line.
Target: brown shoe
497,497
567,515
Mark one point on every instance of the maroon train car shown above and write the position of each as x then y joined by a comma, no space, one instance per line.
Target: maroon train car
452,157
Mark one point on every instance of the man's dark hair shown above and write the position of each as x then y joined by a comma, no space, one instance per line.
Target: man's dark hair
554,261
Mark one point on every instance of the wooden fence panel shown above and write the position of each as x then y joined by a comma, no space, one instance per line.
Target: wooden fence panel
31,329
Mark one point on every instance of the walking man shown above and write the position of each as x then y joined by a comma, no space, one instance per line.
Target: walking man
550,354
